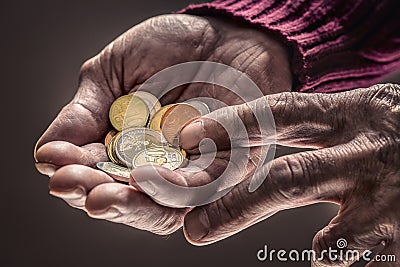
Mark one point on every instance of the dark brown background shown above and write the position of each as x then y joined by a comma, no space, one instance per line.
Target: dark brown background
43,44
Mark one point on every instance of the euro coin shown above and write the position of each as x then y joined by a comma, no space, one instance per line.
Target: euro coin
199,105
184,154
152,103
115,171
174,119
167,157
111,150
128,111
109,137
131,141
155,123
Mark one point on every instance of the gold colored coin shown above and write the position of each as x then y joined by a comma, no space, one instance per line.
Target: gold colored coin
153,105
110,153
167,157
111,150
184,154
128,111
155,123
174,119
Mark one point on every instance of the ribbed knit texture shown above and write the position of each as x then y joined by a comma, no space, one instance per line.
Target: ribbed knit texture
337,44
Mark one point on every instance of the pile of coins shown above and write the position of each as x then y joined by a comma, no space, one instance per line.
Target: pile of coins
146,133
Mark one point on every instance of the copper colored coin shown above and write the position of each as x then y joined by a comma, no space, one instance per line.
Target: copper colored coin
109,136
111,150
174,119
156,120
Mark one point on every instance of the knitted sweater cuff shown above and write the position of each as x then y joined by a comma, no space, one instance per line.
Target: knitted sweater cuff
336,45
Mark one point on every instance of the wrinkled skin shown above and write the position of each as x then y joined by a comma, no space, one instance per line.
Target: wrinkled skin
72,145
356,164
355,135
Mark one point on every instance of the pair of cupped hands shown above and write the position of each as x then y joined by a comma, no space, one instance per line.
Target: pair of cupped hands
355,134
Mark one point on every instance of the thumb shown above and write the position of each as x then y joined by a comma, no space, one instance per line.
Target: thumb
85,119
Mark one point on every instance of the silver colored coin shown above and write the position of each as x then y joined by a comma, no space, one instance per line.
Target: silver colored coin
117,172
199,105
166,157
134,140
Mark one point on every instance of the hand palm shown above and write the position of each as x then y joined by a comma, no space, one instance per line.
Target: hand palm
74,138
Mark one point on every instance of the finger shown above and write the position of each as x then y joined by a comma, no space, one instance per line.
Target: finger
293,119
294,180
73,182
85,119
55,154
123,204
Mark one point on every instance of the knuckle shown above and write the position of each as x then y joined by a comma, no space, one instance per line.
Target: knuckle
284,176
226,123
385,94
235,207
281,102
168,223
384,100
321,241
161,221
326,240
293,175
193,31
249,115
382,153
223,219
228,214
219,214
384,231
87,66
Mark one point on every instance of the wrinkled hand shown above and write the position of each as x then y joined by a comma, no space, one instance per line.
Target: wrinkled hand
356,164
72,145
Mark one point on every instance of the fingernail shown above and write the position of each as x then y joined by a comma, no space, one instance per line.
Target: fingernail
192,134
46,168
35,151
147,187
197,224
76,193
110,213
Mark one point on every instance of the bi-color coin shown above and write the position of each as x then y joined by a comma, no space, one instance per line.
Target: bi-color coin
131,141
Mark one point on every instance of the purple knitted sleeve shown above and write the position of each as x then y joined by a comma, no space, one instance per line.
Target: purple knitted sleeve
337,45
